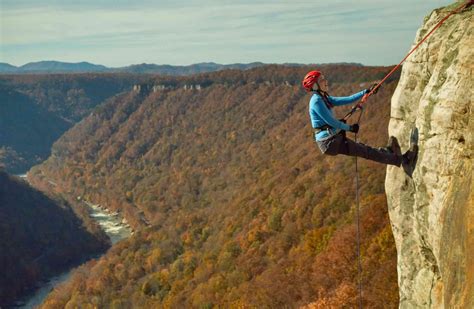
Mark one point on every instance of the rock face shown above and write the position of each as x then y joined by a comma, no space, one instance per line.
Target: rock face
432,212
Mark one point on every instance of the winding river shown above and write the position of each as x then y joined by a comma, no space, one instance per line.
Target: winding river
116,228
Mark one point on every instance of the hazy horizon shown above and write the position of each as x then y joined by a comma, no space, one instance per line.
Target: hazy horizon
204,62
120,33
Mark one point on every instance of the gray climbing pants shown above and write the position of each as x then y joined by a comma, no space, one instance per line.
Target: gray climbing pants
339,144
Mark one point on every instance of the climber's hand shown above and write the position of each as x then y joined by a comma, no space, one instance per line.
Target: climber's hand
342,120
368,90
354,128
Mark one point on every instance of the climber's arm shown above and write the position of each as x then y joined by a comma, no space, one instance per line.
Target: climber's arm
338,101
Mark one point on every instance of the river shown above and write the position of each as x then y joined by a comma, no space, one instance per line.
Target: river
115,227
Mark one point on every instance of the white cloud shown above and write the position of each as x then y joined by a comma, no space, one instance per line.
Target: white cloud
211,30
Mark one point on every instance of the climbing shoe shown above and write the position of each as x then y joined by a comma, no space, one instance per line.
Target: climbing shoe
410,157
392,146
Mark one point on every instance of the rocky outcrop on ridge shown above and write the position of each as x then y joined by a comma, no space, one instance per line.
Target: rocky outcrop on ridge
432,212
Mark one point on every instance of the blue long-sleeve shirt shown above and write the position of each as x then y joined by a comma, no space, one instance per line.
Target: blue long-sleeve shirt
321,115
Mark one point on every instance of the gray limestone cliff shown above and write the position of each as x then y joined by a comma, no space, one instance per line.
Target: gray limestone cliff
432,212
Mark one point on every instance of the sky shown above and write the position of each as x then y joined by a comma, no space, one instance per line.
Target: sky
119,33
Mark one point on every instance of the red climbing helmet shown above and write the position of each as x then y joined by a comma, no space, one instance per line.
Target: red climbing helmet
310,79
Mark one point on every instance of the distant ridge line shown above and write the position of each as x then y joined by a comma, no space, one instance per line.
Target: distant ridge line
50,66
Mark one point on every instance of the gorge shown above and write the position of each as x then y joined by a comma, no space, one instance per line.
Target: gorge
231,203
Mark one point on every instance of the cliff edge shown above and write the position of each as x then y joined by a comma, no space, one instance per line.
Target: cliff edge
432,212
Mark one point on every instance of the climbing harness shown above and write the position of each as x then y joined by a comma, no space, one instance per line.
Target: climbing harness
358,106
322,128
324,95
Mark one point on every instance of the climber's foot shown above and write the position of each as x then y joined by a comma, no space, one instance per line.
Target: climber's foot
392,146
410,157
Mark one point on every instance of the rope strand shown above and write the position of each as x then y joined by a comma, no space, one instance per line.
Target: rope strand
457,10
462,7
359,263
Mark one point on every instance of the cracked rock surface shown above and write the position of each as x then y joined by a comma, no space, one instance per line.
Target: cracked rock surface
432,212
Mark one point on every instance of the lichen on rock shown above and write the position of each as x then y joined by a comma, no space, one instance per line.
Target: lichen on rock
432,212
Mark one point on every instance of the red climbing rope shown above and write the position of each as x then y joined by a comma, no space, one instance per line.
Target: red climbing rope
374,89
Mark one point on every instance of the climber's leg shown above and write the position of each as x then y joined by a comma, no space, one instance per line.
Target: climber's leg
331,146
351,148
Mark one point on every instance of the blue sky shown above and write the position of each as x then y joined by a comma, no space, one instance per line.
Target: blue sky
118,33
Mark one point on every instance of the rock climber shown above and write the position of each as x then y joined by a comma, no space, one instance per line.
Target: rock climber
330,132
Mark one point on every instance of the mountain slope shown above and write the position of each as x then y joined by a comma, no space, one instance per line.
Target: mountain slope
233,202
58,67
52,67
27,130
37,109
7,68
40,238
184,70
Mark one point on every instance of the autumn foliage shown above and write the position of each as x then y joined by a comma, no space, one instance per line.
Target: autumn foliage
35,110
233,202
40,237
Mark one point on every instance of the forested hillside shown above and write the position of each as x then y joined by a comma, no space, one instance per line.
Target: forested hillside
234,204
35,110
40,237
27,130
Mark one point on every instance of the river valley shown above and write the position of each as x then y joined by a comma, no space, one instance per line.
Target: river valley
113,225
